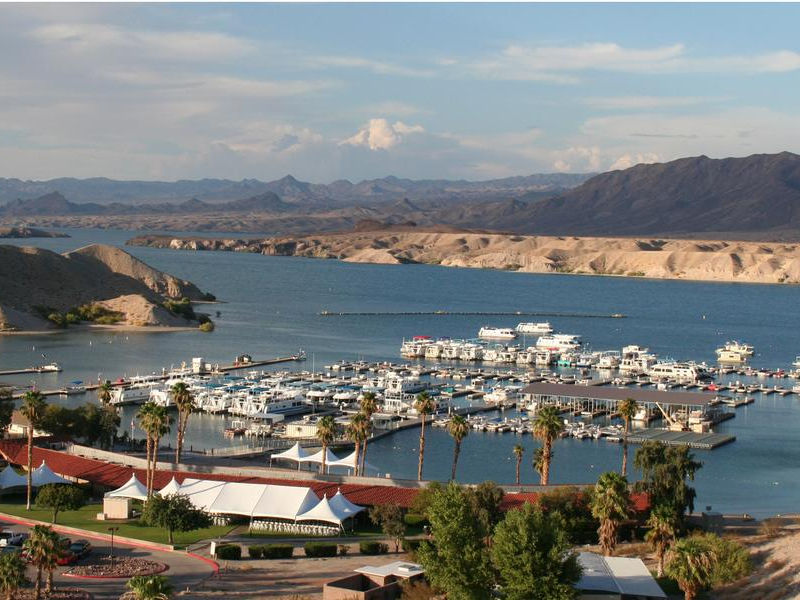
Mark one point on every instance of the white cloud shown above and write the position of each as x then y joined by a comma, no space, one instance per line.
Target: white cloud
628,160
379,134
375,66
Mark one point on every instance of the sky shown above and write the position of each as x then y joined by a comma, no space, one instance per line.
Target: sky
359,91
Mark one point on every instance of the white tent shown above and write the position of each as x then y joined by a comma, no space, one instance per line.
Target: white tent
350,461
342,506
133,488
295,453
173,487
284,502
323,511
44,475
237,499
9,478
330,457
201,492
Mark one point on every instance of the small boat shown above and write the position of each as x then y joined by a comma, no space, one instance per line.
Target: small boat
497,333
236,429
52,367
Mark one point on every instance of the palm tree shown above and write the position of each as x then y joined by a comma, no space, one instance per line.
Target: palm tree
627,409
104,392
184,402
155,422
33,407
43,551
12,574
145,417
326,434
546,427
357,433
424,406
662,533
161,426
519,450
538,461
610,505
459,429
691,564
368,406
150,587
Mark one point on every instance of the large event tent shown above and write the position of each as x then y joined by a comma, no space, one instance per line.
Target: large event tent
330,457
284,502
173,487
323,511
133,488
350,461
342,506
44,475
9,478
296,453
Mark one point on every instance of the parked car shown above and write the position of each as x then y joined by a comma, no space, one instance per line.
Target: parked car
12,538
80,548
66,557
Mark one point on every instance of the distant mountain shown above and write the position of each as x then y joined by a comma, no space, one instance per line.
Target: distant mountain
759,193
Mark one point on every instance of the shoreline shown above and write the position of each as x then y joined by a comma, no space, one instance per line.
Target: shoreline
97,327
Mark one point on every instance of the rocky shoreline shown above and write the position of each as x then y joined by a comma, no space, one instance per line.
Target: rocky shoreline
695,260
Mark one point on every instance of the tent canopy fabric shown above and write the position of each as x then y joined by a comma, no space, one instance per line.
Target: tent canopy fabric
44,475
9,478
295,453
323,511
173,487
284,502
201,492
237,499
342,506
133,488
350,461
330,457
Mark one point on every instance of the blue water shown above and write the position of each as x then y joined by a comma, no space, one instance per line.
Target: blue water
271,307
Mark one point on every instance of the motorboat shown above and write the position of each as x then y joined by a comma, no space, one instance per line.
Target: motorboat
497,333
559,342
534,328
734,352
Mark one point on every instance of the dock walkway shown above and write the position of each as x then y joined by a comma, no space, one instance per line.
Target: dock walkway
699,441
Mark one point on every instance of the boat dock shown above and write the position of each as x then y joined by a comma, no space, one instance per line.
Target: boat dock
43,369
698,441
458,313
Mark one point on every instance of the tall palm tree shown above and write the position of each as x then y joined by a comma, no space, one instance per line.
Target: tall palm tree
33,407
662,532
369,407
155,422
184,401
611,503
161,427
104,392
326,434
12,574
538,461
145,416
357,433
459,429
43,551
424,406
546,426
519,450
627,409
691,564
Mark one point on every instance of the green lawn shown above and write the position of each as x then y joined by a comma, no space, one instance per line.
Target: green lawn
85,518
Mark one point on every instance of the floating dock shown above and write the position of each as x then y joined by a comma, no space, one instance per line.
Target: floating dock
699,441
458,313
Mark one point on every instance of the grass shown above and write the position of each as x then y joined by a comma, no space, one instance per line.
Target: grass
86,518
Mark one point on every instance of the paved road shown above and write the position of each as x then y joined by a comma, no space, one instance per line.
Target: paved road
184,571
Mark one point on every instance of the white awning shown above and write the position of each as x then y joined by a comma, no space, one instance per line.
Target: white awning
173,487
342,506
625,576
323,511
295,453
44,475
330,457
9,478
350,461
133,488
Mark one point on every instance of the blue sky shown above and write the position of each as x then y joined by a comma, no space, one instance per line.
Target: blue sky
331,91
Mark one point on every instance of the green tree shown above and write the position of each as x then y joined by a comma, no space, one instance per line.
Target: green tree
459,429
183,400
574,506
424,406
627,409
33,407
611,506
155,421
547,426
58,497
174,513
43,551
104,392
327,430
538,461
422,501
390,519
357,433
368,406
661,533
6,409
486,500
691,565
12,574
533,556
732,561
99,424
150,587
665,473
457,562
519,451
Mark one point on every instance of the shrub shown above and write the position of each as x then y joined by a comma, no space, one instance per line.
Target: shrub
411,546
255,551
319,549
271,551
343,549
207,327
229,552
414,519
182,308
771,528
372,548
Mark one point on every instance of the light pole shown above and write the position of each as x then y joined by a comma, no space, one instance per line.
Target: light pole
112,530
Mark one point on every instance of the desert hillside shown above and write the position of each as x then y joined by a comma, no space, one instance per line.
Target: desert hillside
39,289
644,257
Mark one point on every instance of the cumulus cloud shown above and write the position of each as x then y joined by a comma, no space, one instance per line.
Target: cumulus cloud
379,134
628,160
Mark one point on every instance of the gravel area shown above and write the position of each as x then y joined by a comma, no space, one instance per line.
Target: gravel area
124,566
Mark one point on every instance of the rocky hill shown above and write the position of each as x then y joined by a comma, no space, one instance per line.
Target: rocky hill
39,289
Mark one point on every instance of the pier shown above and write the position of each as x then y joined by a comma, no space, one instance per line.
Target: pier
458,313
699,441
